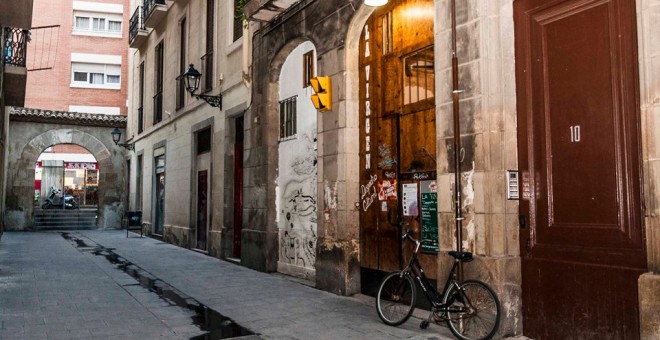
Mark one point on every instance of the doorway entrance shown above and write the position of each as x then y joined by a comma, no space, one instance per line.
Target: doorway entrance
238,186
159,210
581,212
397,138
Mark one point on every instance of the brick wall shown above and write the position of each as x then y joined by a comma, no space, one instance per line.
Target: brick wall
50,89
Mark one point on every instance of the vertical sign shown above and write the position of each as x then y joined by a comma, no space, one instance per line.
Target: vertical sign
429,220
367,102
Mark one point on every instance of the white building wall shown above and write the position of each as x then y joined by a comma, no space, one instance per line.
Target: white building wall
296,200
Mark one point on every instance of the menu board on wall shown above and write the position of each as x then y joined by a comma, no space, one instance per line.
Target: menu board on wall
429,216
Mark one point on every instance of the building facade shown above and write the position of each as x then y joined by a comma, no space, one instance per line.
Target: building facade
185,160
556,104
81,64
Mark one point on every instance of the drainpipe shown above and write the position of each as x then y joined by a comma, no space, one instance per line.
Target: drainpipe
458,209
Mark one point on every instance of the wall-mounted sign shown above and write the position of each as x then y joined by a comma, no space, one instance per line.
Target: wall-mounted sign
429,216
81,165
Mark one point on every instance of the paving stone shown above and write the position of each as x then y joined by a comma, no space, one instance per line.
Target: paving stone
69,292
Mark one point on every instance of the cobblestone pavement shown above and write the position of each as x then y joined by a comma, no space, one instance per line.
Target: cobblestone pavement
54,288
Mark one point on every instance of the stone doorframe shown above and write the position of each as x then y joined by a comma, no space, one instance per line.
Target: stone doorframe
32,131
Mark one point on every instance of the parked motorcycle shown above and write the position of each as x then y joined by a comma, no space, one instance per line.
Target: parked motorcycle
55,200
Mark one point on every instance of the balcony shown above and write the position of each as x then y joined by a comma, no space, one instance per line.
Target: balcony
266,10
137,33
14,58
154,11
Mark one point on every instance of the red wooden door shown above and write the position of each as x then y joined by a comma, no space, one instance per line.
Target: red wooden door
582,244
238,187
202,208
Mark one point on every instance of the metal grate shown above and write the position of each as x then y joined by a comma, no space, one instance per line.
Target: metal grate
15,46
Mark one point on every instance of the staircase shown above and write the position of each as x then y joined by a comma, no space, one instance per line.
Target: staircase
61,219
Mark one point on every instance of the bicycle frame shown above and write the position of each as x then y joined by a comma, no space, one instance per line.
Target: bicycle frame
415,269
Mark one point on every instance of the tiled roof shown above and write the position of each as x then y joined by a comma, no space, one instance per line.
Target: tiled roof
64,117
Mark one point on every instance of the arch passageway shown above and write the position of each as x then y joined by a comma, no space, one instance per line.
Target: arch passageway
32,131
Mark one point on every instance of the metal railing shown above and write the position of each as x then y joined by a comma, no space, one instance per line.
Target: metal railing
149,5
135,24
14,46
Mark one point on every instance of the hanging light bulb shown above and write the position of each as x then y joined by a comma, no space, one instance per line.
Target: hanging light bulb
375,3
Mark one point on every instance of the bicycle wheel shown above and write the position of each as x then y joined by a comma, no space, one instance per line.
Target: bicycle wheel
395,301
475,311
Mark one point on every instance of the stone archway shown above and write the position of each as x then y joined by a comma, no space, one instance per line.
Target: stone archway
29,139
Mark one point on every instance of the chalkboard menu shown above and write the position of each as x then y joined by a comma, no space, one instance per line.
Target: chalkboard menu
429,215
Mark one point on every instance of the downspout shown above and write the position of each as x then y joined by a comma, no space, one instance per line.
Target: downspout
458,209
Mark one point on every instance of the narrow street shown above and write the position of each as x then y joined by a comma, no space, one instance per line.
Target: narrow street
101,284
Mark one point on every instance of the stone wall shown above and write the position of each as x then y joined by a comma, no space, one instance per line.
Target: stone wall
648,26
337,264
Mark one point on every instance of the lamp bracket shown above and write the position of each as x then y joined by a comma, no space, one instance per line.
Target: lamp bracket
215,101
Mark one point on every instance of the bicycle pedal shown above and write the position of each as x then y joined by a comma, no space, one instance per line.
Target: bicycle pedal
438,318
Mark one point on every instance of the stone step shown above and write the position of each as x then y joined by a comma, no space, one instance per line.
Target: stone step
62,219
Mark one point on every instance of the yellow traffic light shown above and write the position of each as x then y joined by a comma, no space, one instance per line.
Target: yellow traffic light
322,99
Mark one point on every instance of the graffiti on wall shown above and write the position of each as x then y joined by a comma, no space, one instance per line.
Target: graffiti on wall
298,213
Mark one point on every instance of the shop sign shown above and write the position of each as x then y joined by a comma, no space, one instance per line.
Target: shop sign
81,165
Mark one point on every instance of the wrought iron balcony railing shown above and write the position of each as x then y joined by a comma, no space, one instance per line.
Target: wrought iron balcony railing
149,5
136,23
14,46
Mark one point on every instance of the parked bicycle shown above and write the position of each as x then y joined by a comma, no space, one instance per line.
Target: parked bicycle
470,308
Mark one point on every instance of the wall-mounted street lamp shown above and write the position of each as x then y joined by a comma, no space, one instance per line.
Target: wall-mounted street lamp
116,136
191,80
375,3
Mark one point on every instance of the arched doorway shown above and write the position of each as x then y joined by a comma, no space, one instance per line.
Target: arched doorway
29,140
296,199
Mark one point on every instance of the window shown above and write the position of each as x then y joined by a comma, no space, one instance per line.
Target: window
207,59
288,117
238,22
308,67
90,75
181,89
91,23
387,32
158,97
204,141
141,100
419,77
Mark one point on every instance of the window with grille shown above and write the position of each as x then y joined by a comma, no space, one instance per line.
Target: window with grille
288,117
419,77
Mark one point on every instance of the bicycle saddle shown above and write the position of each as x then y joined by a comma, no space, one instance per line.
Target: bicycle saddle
464,256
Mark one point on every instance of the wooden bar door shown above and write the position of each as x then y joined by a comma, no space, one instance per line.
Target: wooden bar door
582,243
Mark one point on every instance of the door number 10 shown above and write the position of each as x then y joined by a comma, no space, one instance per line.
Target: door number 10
575,133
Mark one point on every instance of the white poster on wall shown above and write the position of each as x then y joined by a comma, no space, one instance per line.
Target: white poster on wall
409,201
